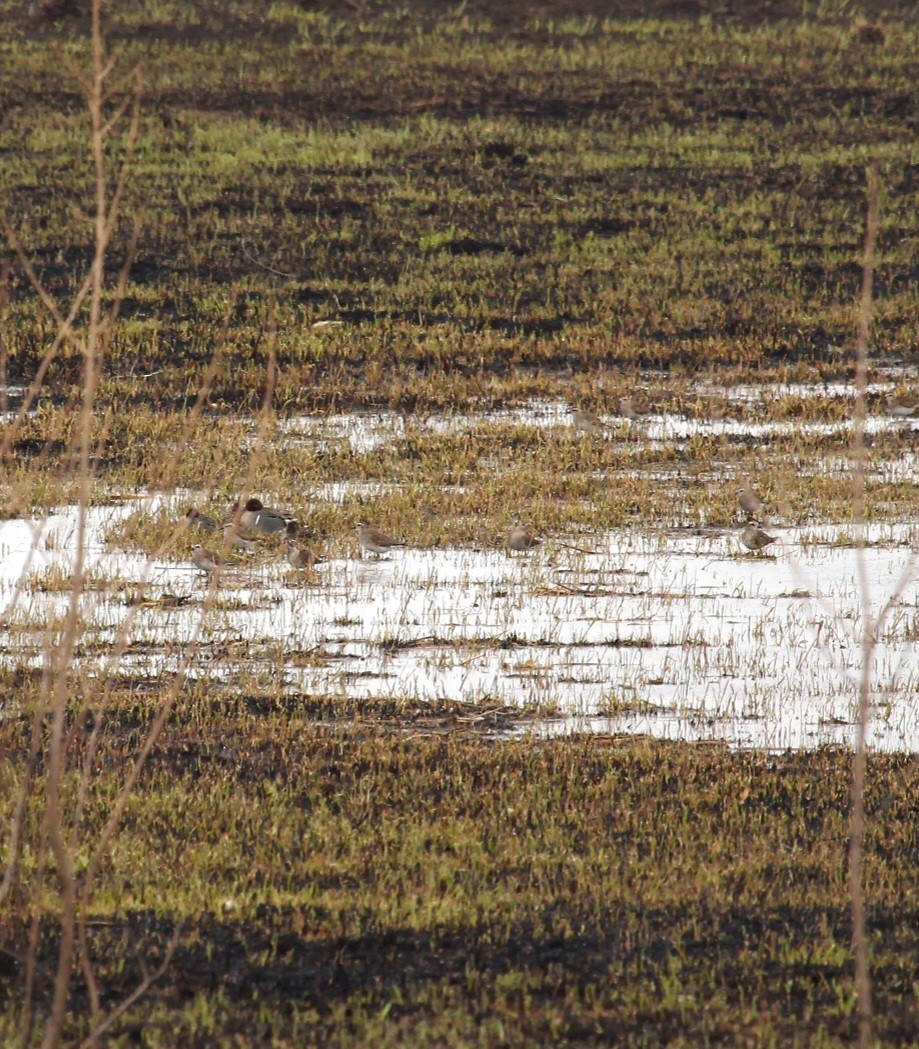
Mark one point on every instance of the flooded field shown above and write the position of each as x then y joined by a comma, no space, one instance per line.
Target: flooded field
671,632
570,299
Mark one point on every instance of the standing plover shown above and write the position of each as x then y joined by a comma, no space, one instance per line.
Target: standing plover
206,560
627,409
519,539
586,421
755,539
902,405
374,541
750,502
236,539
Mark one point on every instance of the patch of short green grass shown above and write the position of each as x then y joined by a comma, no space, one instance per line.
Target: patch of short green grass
364,885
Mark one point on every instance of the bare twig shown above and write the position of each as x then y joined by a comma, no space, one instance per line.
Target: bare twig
160,721
64,333
32,966
54,729
263,265
18,817
92,346
148,980
870,630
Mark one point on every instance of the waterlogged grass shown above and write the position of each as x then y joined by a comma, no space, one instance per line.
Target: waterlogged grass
497,209
464,480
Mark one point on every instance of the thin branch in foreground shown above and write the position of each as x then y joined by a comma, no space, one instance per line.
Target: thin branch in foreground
869,636
138,992
264,265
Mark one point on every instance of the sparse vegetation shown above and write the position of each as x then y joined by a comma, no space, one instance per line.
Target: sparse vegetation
451,224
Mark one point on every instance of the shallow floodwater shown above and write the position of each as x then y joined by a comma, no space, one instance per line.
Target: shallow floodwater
671,634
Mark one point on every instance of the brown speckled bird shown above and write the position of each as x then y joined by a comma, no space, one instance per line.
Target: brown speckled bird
750,502
301,556
755,539
586,421
206,560
375,541
519,539
902,405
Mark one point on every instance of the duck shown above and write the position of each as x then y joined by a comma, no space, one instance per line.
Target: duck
196,519
254,515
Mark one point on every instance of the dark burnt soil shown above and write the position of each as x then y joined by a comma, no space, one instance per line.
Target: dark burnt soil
272,963
625,892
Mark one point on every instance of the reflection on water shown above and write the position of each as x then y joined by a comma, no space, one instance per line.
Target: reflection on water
672,635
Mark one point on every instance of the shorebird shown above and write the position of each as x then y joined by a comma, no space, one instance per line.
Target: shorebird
902,405
196,519
374,541
255,515
206,560
627,409
521,540
755,539
301,556
236,539
586,421
750,502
